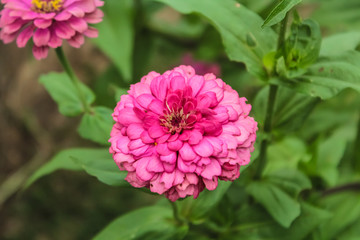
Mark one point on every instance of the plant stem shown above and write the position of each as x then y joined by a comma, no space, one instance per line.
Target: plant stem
270,105
176,212
267,130
65,63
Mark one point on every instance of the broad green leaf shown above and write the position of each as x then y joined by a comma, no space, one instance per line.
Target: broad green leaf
286,153
290,180
116,35
63,160
328,76
339,43
148,223
65,94
279,204
96,126
240,29
255,225
104,169
279,12
352,232
195,210
291,108
330,152
345,207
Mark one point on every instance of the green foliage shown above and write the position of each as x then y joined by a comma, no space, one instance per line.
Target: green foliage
154,222
195,210
291,108
283,208
254,224
116,35
240,29
97,125
278,13
104,169
327,77
339,43
65,93
301,48
345,208
64,160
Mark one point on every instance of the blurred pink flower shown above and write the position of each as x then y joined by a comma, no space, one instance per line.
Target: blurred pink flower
179,132
48,22
201,67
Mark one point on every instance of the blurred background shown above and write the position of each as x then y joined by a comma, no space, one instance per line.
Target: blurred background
73,205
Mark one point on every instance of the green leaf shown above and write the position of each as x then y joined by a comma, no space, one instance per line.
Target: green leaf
291,108
286,153
63,160
195,210
240,29
97,125
65,94
116,35
330,152
328,76
279,12
290,180
104,169
254,224
154,222
279,204
346,211
339,43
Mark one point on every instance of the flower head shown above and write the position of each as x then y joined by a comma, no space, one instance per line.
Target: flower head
49,22
179,132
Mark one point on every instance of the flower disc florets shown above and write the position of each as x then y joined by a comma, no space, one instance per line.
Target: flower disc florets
49,22
179,132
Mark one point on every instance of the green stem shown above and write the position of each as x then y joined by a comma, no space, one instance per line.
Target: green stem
267,129
176,213
65,63
270,105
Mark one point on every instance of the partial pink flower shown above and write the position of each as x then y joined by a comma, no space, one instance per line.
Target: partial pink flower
178,133
49,22
201,67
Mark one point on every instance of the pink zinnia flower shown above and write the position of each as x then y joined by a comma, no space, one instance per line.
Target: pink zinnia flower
48,22
179,132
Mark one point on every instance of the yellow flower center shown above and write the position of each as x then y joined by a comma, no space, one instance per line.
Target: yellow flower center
46,6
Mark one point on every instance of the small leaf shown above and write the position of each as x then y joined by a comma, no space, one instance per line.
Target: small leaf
148,223
240,29
105,170
195,210
279,204
328,76
96,126
116,35
278,13
63,160
302,47
65,94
